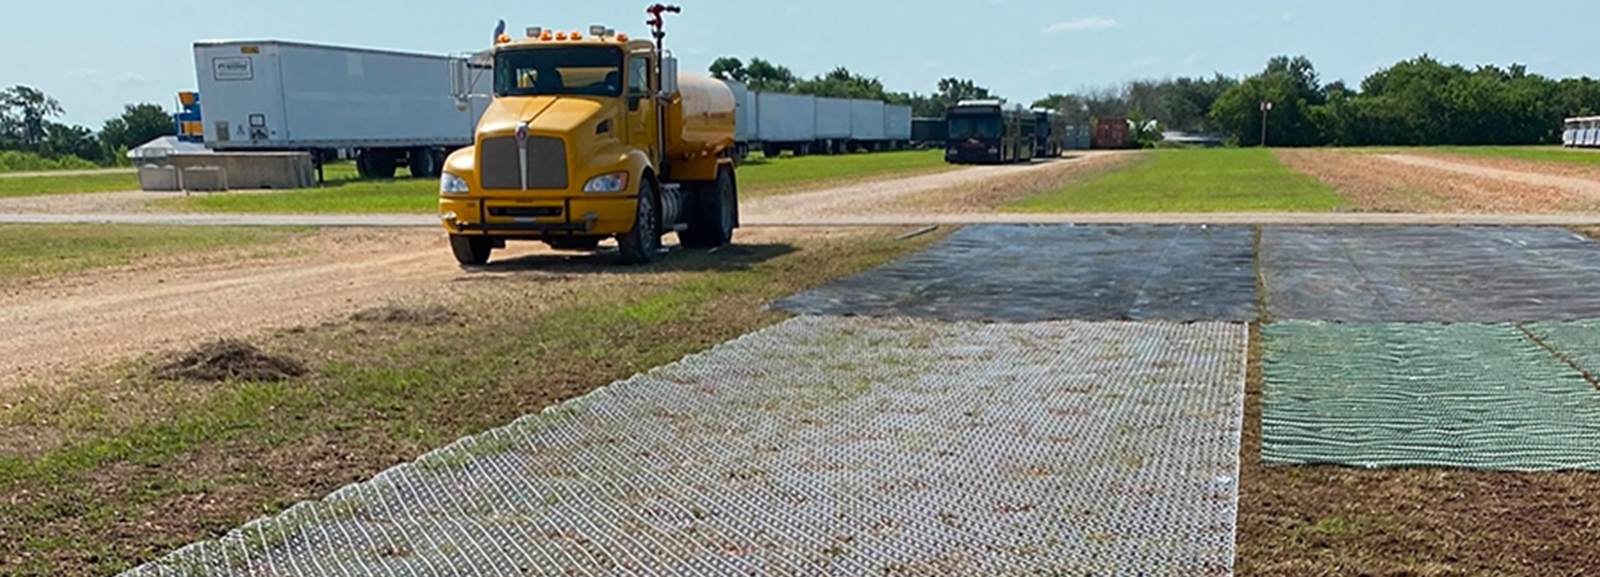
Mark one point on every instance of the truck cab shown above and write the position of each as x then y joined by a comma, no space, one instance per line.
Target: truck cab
592,137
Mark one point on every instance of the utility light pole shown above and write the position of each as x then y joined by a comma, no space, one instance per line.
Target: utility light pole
1266,106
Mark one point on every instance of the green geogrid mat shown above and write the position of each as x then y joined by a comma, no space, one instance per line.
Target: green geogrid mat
1395,395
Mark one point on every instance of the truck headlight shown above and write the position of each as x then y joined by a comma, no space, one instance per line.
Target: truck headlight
452,184
614,182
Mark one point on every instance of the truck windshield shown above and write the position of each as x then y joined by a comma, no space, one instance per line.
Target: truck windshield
579,71
962,127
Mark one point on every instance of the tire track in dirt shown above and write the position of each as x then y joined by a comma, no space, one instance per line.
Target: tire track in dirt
1376,183
119,313
1589,189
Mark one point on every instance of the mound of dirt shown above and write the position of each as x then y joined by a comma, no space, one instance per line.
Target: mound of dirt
227,360
431,315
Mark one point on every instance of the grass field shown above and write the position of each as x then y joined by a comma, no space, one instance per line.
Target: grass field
345,193
1200,180
762,177
46,185
121,468
41,250
1536,153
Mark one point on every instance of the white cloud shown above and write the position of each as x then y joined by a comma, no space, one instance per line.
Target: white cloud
131,79
1090,24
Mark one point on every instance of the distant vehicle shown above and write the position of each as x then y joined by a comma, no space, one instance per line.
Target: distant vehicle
984,132
1050,133
1583,132
389,109
803,124
929,132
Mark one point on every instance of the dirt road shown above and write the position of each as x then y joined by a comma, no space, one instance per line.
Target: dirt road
60,323
1589,189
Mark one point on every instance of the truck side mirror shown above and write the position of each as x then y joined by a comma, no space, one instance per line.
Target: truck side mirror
669,76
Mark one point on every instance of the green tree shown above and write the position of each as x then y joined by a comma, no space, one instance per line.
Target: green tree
64,140
729,68
765,76
138,124
25,114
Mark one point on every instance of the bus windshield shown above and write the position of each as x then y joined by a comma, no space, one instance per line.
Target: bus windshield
981,127
576,71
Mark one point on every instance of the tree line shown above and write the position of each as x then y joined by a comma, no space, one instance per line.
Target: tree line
28,125
1420,101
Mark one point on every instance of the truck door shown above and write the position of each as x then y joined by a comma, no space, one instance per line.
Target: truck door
641,105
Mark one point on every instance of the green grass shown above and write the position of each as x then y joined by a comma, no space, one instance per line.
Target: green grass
345,193
46,185
342,192
41,250
1199,180
760,176
18,161
1535,153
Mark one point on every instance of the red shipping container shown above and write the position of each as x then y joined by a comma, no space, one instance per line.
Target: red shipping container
1109,133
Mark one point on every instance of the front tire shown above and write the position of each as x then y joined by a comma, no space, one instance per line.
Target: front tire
716,213
640,245
471,250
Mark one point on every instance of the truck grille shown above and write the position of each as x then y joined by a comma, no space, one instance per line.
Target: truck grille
498,168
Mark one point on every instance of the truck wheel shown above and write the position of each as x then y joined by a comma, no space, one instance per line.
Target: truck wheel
471,250
715,214
424,163
640,245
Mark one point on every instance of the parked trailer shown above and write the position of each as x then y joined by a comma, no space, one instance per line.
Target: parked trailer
1050,133
786,122
744,117
867,124
897,125
929,132
391,108
1110,133
1582,132
833,125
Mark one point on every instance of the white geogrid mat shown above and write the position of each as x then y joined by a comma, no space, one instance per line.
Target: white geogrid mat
821,446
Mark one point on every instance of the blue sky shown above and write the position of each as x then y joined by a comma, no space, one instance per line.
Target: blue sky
94,56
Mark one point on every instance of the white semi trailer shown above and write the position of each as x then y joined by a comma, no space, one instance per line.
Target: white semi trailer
388,108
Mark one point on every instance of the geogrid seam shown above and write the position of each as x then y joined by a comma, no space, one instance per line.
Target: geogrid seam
820,447
1406,395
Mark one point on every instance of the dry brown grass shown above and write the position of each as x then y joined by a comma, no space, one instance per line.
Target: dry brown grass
1374,184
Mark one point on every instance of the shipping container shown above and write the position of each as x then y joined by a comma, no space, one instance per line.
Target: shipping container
786,122
391,108
1110,133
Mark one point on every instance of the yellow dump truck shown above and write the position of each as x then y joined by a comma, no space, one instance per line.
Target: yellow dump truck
593,136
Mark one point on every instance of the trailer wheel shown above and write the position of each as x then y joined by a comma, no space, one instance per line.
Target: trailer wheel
640,245
471,250
424,163
716,213
375,164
